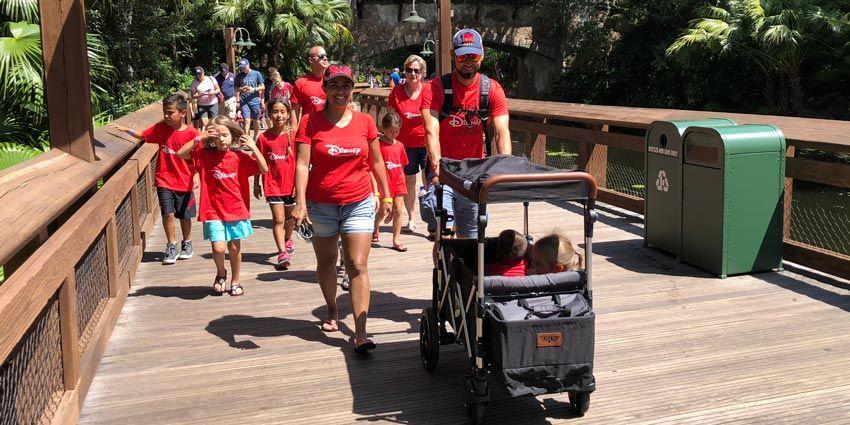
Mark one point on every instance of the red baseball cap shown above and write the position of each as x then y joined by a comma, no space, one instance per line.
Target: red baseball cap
339,71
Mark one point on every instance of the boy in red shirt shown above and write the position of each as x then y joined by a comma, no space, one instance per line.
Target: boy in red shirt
173,178
309,94
395,158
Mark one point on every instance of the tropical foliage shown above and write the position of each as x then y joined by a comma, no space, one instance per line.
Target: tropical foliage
757,56
289,26
151,48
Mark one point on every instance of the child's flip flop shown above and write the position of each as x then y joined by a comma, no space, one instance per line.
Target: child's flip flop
399,247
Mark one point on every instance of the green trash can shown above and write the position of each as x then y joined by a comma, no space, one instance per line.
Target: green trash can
732,198
663,198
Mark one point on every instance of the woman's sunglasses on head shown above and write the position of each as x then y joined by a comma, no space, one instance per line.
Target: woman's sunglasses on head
469,57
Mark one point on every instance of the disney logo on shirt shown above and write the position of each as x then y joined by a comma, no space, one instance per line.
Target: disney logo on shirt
457,121
275,157
411,115
393,165
218,175
317,100
334,150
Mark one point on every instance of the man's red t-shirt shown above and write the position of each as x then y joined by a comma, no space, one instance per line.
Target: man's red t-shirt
224,183
339,158
279,151
412,133
284,93
459,139
309,93
172,172
395,159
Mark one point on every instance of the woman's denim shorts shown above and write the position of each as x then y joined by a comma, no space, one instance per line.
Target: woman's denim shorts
332,219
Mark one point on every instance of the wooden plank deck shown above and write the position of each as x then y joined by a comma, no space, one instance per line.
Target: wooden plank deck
673,344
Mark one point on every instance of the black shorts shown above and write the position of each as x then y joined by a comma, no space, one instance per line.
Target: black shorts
181,204
417,159
287,201
210,110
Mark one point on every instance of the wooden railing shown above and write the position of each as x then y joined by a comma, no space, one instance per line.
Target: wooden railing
70,252
600,129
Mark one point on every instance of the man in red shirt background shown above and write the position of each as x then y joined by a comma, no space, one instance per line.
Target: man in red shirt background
460,135
309,94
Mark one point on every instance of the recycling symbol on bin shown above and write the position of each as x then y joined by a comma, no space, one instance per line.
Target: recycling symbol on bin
661,182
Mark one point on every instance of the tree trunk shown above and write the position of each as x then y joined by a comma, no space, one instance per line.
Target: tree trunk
796,90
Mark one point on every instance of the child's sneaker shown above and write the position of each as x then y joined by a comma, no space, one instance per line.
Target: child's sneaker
284,260
290,247
185,250
170,255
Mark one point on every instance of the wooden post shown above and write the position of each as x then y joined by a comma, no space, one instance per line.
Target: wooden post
66,75
789,197
68,329
112,259
444,44
535,147
594,158
229,37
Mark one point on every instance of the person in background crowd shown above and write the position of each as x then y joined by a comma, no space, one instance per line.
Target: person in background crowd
406,100
249,85
338,149
281,90
395,78
227,96
309,94
204,92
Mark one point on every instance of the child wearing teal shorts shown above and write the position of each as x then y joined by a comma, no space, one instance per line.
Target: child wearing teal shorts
224,169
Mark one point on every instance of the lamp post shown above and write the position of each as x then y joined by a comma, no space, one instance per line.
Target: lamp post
444,23
231,46
425,52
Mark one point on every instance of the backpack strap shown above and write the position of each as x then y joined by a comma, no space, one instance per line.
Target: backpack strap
448,97
484,113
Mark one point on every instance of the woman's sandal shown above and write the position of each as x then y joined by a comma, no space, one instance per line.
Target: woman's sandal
236,290
408,228
375,237
399,247
219,284
330,325
362,346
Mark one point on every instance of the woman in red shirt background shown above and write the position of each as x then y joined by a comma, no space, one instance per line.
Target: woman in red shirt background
406,100
338,148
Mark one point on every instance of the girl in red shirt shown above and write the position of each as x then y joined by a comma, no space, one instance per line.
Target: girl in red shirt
338,149
224,169
395,159
277,147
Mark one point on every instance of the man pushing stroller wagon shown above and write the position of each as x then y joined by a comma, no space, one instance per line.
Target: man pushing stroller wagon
529,334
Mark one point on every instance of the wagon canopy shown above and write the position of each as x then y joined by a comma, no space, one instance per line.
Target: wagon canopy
508,178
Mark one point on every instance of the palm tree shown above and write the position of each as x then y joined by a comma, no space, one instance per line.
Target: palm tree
289,25
779,36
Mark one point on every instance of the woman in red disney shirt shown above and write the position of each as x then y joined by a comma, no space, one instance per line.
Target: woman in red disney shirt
338,148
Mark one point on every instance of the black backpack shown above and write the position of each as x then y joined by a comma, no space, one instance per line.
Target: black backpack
483,111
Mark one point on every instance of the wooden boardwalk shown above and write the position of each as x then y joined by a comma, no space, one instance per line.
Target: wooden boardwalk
674,345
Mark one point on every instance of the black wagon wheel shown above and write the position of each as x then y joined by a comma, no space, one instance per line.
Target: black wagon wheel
580,402
429,339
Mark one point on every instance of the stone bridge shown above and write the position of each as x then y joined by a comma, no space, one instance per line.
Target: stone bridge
509,26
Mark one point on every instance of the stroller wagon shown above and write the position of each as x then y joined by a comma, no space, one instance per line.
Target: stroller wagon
531,334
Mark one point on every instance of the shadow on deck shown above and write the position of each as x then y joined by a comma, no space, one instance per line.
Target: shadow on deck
673,343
